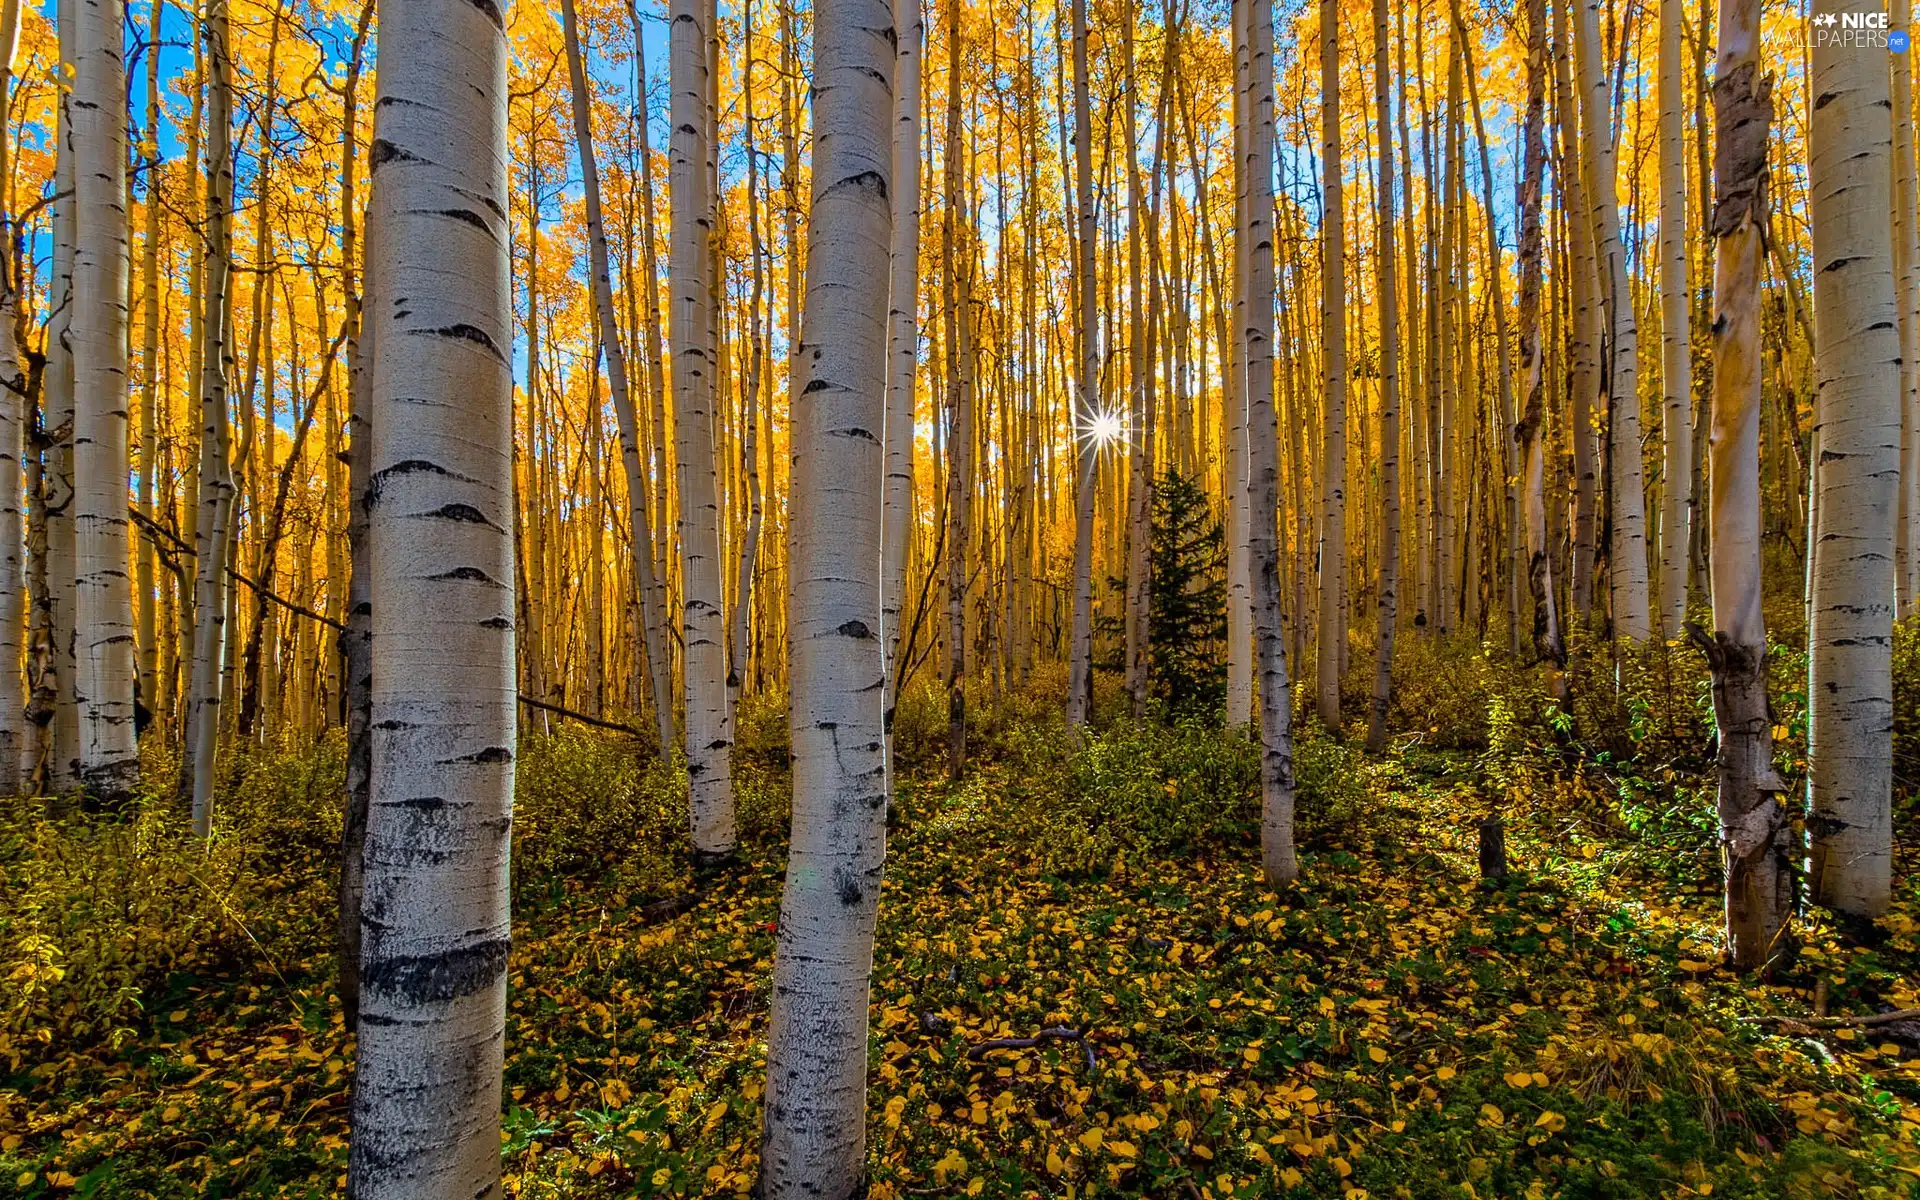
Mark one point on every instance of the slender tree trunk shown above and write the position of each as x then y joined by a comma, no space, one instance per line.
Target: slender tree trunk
57,493
1583,350
814,1134
1906,291
1333,340
1276,740
1240,640
1856,475
1388,272
1755,845
1080,653
1676,338
13,582
426,1105
903,345
215,501
652,601
1530,433
955,281
108,760
709,725
1627,551
146,594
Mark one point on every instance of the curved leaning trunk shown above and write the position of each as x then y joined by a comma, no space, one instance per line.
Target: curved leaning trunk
107,757
426,1104
903,345
1754,841
652,600
1856,475
814,1133
709,724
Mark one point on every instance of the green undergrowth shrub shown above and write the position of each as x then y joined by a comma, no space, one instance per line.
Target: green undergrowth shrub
102,913
1121,795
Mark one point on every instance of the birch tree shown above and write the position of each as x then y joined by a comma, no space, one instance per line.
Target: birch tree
1263,499
1333,339
903,343
1388,271
434,916
1676,337
652,594
1856,475
1754,843
814,1133
1080,651
108,760
1627,551
709,723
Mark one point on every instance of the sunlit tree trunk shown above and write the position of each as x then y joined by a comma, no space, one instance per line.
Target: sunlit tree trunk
1388,273
1856,474
215,501
57,492
1263,544
13,580
1140,367
814,1133
1676,338
1583,348
652,599
426,1104
956,284
1333,340
1240,648
1754,842
1531,433
1906,291
1627,550
1080,652
709,726
145,593
903,344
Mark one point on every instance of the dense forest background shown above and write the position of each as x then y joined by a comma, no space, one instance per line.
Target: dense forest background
1356,565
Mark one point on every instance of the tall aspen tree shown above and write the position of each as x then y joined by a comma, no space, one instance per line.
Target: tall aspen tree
1388,268
1856,476
813,1141
1333,340
1086,396
433,978
652,594
903,343
1676,335
1755,844
709,723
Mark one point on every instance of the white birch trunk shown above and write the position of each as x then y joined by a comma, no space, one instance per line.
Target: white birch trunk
103,593
13,579
434,913
1627,551
215,501
1388,274
709,723
1906,283
1234,423
903,345
1080,652
1333,340
1277,858
652,595
814,1133
63,742
1856,477
1676,345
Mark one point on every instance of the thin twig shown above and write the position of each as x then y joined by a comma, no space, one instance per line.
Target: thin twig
1058,1033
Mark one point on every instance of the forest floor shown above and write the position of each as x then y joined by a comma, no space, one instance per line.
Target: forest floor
1389,1028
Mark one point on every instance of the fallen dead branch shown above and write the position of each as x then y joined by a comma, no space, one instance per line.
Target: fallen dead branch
1885,1018
1058,1033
